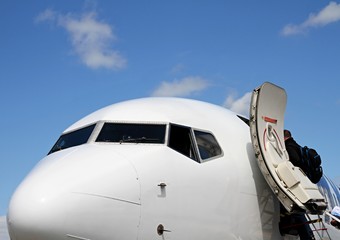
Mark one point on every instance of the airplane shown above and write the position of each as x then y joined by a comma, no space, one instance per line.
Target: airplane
171,168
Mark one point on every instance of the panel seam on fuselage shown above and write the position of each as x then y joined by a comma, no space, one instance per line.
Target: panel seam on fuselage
112,198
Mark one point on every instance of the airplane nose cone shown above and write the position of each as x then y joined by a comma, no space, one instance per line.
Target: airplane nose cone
33,214
37,207
72,195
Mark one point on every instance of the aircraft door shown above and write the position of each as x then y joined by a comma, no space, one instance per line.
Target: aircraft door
289,183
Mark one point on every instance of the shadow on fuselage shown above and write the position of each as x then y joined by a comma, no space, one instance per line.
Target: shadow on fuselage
268,204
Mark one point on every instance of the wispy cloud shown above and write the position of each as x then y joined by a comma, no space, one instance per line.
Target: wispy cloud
329,14
47,15
181,88
178,68
91,38
3,228
238,105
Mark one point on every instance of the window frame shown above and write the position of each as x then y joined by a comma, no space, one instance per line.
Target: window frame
207,132
192,140
102,123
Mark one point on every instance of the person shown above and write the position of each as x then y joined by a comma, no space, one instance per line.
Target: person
293,149
297,220
305,158
336,213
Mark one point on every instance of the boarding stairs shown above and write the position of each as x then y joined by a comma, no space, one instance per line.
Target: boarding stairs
317,225
319,228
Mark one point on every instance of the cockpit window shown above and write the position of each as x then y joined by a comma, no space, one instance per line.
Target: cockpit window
207,145
72,139
181,141
132,133
197,145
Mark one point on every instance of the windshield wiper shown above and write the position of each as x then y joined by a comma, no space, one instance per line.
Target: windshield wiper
139,140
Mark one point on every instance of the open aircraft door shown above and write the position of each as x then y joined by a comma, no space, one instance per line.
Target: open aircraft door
289,183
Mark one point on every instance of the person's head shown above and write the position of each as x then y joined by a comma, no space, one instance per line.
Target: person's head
286,134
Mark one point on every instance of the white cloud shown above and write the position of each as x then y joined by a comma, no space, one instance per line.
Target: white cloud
91,39
329,14
47,15
181,88
3,228
291,29
239,105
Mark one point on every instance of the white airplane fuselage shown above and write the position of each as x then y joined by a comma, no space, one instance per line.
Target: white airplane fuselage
150,188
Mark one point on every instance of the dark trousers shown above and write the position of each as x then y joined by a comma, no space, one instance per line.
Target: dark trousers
295,223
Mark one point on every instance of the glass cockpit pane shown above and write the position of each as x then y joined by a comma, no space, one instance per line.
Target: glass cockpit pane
207,145
181,141
72,139
132,132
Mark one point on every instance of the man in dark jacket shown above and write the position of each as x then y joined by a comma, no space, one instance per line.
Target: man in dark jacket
293,149
296,219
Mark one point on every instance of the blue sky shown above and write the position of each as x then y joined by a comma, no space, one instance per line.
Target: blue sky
61,60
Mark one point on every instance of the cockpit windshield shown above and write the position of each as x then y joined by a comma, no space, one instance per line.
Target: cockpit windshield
132,133
198,145
72,139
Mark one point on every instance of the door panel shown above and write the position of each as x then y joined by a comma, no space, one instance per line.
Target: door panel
292,187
